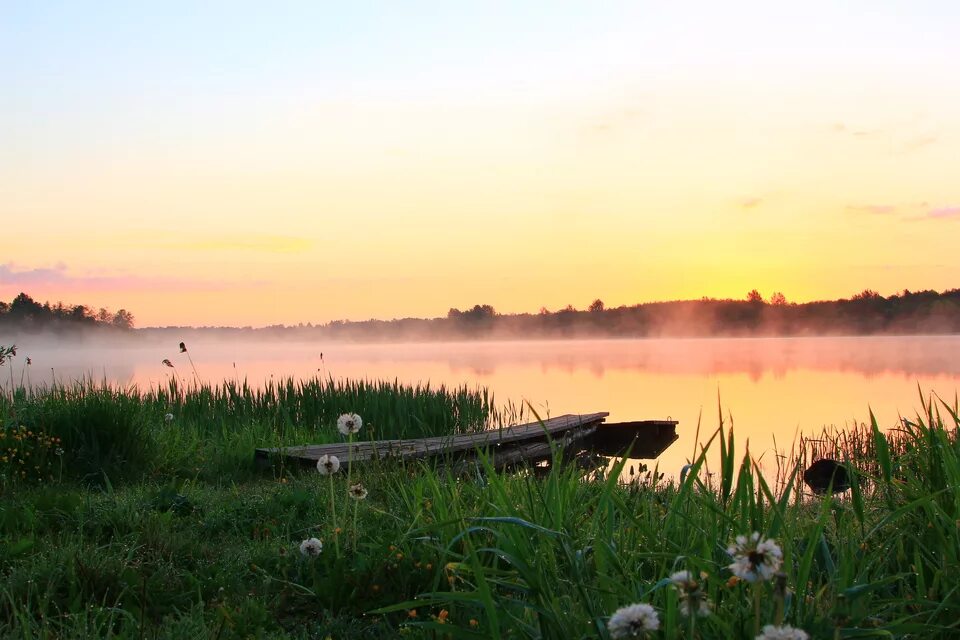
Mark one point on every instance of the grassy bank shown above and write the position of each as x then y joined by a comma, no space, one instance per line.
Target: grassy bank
177,537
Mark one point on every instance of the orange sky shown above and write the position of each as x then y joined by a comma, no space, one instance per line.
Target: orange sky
238,166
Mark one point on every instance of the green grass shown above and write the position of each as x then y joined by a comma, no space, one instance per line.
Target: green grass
110,434
177,536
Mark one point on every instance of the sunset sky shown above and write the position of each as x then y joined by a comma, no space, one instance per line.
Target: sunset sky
256,163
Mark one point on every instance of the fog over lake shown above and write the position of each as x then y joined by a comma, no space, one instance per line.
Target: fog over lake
770,386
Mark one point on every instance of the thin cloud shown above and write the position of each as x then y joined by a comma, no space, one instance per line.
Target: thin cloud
59,277
943,213
615,120
254,243
878,209
843,129
919,143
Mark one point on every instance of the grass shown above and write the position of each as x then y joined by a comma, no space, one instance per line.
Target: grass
142,528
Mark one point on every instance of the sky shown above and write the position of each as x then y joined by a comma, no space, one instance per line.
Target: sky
250,163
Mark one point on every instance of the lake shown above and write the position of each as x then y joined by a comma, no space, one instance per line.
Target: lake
770,387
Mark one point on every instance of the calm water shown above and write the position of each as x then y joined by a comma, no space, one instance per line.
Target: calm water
772,387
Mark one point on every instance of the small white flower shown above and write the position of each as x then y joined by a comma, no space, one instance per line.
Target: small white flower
692,597
358,491
311,548
683,580
328,464
168,417
755,559
633,621
349,423
702,605
786,632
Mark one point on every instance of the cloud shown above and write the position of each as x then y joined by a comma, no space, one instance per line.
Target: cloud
918,143
942,213
879,209
58,277
843,129
258,243
615,120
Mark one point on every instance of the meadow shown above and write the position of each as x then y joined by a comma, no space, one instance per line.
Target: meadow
136,513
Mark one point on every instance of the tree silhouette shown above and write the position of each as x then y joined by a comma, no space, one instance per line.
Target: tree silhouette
123,319
596,306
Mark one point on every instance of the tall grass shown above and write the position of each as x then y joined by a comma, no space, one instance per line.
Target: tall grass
112,433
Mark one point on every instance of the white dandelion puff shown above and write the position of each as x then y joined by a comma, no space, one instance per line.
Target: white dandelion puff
358,491
702,606
633,621
168,417
349,423
683,580
328,465
693,601
755,559
311,548
786,632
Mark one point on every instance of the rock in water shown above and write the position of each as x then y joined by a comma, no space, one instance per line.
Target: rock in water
820,474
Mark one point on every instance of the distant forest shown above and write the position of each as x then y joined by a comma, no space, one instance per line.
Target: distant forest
866,313
25,313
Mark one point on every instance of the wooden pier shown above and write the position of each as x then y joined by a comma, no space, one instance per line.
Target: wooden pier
510,446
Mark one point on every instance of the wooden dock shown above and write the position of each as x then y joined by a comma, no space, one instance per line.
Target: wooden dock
510,446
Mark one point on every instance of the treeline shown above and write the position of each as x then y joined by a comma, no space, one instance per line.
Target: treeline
866,313
25,313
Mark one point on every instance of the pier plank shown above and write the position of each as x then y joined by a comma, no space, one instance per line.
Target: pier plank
506,446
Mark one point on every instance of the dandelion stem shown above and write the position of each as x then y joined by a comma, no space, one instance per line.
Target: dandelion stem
353,534
356,507
333,516
756,609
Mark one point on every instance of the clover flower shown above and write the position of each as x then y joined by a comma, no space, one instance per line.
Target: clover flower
328,464
349,423
755,559
167,362
786,632
311,548
633,621
693,601
358,491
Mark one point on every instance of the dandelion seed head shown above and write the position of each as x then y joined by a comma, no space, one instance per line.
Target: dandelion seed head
358,491
349,423
693,601
168,417
755,559
683,580
786,632
328,465
633,621
311,548
703,607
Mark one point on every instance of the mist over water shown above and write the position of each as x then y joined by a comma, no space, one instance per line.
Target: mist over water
771,387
